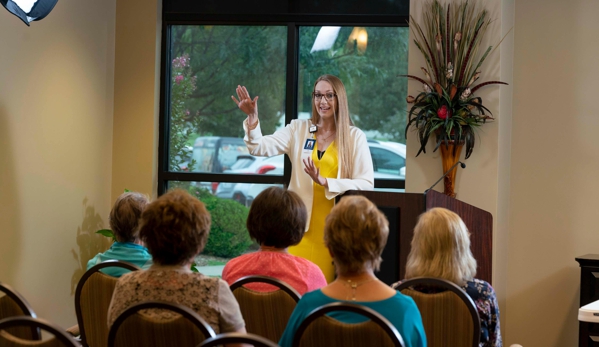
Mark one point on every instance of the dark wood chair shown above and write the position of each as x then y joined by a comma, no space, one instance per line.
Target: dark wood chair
13,304
250,339
265,313
134,328
92,299
60,337
320,330
449,317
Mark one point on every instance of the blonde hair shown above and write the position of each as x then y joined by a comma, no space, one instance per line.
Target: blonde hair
342,123
356,233
441,248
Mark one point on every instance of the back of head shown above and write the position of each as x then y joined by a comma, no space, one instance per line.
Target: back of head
441,248
277,218
125,214
356,234
175,228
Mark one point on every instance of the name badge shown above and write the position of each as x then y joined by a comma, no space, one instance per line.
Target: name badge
309,145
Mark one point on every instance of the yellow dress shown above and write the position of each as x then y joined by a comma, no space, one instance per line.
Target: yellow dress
312,245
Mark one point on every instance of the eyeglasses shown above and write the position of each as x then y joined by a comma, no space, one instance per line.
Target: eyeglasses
327,96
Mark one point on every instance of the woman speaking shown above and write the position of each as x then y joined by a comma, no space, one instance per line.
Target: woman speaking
329,156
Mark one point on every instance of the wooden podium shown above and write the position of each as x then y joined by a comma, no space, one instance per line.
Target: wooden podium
402,211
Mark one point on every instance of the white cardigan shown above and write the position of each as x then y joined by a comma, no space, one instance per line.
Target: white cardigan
291,139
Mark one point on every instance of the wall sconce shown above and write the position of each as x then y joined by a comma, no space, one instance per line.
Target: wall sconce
29,10
358,39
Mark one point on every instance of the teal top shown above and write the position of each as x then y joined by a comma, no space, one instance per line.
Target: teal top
124,251
399,309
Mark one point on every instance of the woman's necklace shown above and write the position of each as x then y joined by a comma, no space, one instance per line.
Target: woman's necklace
324,140
354,285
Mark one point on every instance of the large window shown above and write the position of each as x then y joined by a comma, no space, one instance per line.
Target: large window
278,57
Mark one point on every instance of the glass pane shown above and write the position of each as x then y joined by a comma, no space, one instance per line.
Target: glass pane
228,204
208,62
369,61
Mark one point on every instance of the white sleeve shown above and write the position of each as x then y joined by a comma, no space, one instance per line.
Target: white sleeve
269,145
362,173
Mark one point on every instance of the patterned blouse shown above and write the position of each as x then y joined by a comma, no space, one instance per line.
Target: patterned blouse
210,297
485,300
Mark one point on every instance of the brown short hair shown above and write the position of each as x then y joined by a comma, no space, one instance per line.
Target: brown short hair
277,218
175,227
356,234
124,216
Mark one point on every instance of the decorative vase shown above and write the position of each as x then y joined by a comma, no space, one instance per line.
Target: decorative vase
450,155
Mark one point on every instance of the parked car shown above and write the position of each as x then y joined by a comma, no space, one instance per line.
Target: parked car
216,154
247,164
388,159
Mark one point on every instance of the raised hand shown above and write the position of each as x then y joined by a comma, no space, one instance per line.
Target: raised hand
246,104
314,172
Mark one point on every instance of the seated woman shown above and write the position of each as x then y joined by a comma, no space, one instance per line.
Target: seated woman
124,219
175,228
441,248
277,220
355,234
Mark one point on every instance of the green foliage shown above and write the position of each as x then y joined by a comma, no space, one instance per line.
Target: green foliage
370,78
221,57
228,234
107,233
183,125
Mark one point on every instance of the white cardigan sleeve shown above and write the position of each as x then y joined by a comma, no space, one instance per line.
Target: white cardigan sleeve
362,173
267,146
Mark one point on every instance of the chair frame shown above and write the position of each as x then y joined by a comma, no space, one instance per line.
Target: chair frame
81,284
37,323
221,339
186,312
268,280
23,305
439,282
349,307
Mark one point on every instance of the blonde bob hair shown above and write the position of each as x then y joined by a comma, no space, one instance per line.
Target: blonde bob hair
355,233
441,248
342,123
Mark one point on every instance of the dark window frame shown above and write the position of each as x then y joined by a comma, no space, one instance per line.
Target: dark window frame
293,22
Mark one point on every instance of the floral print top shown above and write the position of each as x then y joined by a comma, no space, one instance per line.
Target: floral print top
485,300
210,297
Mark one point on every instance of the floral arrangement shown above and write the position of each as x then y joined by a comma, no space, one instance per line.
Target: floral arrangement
450,42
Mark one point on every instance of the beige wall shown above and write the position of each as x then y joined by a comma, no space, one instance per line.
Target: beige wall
136,96
56,100
554,167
